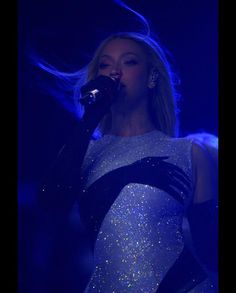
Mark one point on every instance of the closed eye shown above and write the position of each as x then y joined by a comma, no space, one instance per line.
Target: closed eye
131,62
103,65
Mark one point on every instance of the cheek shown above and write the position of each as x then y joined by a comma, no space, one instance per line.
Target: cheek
136,85
103,72
138,78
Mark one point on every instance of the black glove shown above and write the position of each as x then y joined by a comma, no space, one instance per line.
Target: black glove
61,185
97,105
155,171
96,201
185,274
203,221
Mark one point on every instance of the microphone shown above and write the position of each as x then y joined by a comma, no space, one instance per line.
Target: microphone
97,88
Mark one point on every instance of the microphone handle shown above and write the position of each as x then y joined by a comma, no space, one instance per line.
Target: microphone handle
90,97
107,85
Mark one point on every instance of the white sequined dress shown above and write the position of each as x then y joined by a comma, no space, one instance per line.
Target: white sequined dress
141,235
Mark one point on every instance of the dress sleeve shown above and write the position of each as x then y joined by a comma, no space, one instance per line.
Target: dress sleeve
203,211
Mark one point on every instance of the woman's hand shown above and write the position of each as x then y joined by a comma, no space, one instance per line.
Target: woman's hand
98,104
155,171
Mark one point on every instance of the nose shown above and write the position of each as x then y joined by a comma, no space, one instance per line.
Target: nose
115,73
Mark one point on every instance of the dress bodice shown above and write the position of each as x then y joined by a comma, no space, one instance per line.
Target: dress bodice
140,236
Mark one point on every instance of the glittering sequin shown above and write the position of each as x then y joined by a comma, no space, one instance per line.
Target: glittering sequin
141,235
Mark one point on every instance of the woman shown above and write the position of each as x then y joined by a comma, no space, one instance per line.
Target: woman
138,181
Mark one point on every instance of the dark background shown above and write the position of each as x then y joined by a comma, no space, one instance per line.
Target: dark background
65,33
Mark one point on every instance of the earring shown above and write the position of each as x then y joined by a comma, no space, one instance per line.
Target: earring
152,84
153,79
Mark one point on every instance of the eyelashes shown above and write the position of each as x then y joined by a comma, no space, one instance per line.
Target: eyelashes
131,62
103,65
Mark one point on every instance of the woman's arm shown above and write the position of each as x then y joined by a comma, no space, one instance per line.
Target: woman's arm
203,212
61,185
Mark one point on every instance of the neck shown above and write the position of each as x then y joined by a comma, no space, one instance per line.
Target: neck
130,123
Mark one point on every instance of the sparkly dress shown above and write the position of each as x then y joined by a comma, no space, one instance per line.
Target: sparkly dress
140,236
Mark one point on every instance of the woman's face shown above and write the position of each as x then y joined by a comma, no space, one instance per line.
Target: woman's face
125,60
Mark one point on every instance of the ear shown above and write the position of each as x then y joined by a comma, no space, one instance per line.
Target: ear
153,77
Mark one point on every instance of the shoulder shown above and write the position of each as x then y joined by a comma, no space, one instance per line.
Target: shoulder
205,144
199,153
203,171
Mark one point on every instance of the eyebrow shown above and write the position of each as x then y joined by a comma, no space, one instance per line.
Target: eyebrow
124,54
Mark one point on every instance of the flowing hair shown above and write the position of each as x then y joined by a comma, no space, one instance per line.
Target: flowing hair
67,88
163,108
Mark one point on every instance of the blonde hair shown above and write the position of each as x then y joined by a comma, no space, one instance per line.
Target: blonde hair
163,97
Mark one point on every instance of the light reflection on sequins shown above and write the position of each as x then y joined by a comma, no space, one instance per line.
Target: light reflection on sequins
141,235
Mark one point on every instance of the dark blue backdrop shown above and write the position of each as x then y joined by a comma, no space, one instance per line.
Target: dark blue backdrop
65,33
